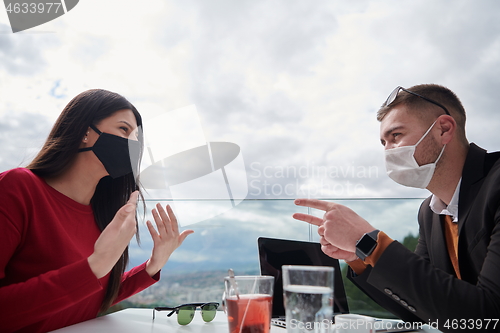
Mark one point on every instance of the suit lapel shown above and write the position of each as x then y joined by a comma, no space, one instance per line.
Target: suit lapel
439,252
472,179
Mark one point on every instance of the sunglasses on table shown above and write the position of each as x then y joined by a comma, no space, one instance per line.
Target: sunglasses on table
185,312
396,91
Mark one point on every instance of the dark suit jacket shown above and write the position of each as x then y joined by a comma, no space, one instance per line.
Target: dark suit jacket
422,286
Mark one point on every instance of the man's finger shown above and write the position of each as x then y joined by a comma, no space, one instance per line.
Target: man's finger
314,203
308,218
323,241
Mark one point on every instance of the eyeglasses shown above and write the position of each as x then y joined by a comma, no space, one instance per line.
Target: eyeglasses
185,312
396,91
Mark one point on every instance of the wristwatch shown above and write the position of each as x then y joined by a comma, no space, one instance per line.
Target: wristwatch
366,244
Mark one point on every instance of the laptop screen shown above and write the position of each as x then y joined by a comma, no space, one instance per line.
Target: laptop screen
274,253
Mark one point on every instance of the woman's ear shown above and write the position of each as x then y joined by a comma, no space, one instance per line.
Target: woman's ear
86,136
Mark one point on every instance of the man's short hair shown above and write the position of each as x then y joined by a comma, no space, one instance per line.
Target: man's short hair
425,109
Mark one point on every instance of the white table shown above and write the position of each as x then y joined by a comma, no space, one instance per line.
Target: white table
141,320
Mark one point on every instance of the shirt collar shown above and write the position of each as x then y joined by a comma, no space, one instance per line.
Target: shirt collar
440,208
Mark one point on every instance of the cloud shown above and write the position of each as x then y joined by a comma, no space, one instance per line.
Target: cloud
290,83
89,49
326,113
21,136
22,54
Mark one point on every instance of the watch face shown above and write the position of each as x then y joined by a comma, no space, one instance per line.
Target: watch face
366,244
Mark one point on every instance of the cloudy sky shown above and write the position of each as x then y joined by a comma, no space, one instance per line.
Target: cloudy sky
295,84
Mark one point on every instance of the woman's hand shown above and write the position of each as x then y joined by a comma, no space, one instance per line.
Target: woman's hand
114,238
166,238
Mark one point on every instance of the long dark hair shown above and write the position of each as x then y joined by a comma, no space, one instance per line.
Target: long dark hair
60,150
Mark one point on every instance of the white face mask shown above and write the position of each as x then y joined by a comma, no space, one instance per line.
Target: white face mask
402,167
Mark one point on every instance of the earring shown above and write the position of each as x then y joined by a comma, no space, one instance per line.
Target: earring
85,139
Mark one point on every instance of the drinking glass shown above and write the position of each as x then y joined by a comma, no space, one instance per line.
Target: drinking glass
308,298
249,303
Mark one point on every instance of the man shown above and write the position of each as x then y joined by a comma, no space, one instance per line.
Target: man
453,278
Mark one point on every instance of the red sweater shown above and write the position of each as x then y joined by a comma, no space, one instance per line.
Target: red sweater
45,239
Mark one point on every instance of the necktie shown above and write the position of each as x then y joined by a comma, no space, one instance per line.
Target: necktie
451,234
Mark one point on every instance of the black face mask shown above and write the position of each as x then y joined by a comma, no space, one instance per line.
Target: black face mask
119,156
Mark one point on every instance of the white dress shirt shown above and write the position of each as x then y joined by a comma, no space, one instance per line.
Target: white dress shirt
440,208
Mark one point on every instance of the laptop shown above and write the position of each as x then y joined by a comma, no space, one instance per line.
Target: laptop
274,253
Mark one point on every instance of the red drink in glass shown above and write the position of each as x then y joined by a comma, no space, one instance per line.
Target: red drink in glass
249,314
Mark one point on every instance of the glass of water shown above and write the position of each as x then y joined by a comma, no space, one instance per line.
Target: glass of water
308,298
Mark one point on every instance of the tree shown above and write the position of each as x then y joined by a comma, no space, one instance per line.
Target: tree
410,242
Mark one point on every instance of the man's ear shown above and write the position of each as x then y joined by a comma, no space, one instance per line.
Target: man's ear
447,126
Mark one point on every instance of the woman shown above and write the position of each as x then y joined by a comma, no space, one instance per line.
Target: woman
67,218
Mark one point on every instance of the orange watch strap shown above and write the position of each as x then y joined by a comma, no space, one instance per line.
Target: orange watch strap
359,266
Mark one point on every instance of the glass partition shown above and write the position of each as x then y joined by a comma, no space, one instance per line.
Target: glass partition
195,271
